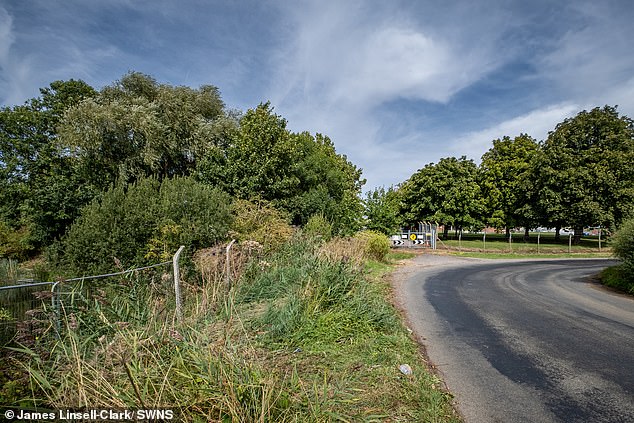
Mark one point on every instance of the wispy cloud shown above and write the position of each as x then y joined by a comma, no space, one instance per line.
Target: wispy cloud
6,35
346,54
537,124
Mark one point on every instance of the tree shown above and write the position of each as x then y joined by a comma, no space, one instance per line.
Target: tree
138,127
298,173
447,193
382,210
504,178
40,191
586,176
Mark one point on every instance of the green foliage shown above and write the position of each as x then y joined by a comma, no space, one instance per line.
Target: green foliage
259,221
584,170
300,174
39,184
447,193
136,223
324,301
137,128
318,227
618,277
15,243
505,179
622,243
376,245
382,210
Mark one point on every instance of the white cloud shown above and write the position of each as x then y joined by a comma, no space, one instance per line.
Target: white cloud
536,124
6,35
591,63
343,53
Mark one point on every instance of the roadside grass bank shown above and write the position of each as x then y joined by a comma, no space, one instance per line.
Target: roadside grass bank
305,334
617,277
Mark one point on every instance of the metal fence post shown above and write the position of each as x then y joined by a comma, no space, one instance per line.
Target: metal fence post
177,287
55,302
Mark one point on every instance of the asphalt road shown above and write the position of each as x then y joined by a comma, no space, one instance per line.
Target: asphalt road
525,341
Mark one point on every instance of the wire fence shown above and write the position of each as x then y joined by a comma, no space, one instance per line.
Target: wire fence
27,302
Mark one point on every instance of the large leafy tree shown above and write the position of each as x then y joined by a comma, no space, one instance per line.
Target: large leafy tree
138,127
505,172
40,190
299,173
447,192
382,210
585,169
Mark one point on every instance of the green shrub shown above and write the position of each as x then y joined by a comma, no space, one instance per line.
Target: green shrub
376,245
622,244
318,226
15,243
261,222
143,223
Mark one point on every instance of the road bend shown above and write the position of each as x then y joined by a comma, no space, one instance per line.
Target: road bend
526,340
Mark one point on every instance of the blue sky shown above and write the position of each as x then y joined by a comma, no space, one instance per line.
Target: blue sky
395,84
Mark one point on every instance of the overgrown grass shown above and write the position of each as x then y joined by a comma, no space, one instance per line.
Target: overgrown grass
303,335
617,278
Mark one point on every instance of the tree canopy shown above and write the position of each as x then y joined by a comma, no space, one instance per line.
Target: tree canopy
447,192
71,145
504,174
585,171
299,173
40,190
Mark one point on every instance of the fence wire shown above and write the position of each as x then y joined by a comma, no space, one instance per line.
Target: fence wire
27,301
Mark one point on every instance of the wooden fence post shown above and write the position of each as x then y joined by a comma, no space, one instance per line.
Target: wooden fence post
228,264
177,286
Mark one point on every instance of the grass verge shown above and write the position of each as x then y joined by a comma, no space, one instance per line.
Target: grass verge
617,277
301,336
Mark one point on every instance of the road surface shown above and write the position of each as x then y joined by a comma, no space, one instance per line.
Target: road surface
525,341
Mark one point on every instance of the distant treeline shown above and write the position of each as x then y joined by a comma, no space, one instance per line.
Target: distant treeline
580,176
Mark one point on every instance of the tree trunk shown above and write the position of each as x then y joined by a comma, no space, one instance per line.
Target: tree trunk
508,232
445,232
557,229
577,235
527,235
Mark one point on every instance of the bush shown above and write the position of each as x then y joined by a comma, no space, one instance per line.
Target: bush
318,226
15,244
622,243
376,245
259,221
143,223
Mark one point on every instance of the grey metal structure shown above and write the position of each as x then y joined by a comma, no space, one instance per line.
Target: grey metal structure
424,237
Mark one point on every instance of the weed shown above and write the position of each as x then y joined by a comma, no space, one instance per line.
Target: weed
300,336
